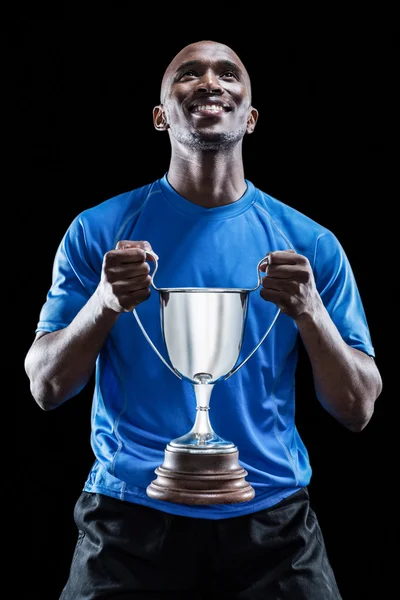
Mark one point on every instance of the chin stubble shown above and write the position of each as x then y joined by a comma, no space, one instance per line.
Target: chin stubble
209,141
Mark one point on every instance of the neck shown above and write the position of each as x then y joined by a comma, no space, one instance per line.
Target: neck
207,179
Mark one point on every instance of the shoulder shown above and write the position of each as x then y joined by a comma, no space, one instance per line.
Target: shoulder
98,228
120,206
287,216
300,231
111,216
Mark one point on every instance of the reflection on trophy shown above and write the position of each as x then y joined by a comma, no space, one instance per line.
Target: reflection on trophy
203,330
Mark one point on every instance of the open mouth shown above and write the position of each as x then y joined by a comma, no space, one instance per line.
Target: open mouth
214,108
209,108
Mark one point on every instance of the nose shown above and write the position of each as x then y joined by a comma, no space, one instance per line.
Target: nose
209,83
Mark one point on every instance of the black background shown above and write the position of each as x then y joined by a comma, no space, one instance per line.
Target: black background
80,121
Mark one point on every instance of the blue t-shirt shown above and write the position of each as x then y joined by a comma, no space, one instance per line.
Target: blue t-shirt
139,405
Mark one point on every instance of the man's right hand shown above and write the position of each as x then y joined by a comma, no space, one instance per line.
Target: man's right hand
125,279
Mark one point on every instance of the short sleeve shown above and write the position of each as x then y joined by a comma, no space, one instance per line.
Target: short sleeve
337,286
74,280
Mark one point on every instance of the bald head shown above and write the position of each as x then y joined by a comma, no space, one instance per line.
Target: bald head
207,51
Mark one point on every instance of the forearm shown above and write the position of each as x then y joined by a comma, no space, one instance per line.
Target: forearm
59,364
347,381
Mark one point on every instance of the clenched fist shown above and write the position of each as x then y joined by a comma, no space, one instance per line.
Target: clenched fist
125,279
290,283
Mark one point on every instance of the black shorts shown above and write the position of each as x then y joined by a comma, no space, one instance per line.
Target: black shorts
127,551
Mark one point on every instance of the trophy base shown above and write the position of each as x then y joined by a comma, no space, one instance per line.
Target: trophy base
198,477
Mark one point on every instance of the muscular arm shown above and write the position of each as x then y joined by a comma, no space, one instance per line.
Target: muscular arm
347,381
59,364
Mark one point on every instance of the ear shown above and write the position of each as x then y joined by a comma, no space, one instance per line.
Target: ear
159,119
252,119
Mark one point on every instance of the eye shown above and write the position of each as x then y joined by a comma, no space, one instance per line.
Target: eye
229,75
188,73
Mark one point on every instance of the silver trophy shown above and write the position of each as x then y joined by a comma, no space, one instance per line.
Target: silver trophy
203,330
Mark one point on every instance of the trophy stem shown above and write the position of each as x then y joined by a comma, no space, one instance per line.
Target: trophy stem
202,438
202,424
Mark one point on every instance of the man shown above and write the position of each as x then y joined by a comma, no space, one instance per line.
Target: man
210,227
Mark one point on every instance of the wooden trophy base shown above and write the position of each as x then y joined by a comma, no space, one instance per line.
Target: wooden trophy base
200,478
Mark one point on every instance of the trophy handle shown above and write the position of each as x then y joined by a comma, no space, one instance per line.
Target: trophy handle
160,356
155,257
230,373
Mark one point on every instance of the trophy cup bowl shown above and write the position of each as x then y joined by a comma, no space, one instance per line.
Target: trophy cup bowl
203,330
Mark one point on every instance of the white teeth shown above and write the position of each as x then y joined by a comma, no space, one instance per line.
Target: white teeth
214,107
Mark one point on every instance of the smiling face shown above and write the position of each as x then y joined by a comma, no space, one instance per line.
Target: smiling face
206,98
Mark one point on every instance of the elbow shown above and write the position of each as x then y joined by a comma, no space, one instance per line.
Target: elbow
363,405
356,420
41,391
360,414
48,395
354,412
357,426
45,397
49,392
46,406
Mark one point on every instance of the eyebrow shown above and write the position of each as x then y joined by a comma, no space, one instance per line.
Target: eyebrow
226,64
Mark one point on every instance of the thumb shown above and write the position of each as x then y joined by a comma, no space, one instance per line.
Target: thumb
143,244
